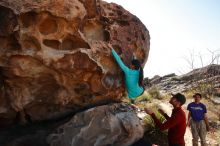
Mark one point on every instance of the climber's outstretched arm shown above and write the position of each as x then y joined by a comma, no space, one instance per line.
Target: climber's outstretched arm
119,61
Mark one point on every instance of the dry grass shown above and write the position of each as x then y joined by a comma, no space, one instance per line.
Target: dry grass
154,92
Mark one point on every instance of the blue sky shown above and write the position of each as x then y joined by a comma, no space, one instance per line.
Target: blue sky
179,29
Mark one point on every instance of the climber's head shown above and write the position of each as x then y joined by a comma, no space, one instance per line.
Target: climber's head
136,65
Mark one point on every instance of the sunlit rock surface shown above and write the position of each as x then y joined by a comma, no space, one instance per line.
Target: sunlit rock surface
55,56
114,124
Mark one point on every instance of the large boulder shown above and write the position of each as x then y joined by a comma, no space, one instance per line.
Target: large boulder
55,56
114,124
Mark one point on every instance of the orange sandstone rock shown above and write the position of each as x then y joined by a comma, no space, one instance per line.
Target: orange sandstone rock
55,55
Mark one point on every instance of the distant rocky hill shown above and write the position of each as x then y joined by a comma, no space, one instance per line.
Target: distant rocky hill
207,77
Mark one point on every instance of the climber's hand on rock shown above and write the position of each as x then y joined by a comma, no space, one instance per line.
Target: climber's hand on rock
148,111
109,45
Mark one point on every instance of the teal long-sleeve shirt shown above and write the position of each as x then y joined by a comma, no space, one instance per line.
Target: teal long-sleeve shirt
131,78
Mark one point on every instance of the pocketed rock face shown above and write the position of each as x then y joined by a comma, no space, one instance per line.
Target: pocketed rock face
55,56
114,124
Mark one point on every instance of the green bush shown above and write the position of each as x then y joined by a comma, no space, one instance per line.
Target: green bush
153,133
150,122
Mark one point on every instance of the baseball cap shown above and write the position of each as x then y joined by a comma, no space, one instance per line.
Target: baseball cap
179,97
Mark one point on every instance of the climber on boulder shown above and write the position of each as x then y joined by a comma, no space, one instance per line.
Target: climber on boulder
133,77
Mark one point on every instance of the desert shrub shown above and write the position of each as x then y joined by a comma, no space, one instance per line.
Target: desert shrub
153,133
156,136
154,92
204,88
149,121
147,97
